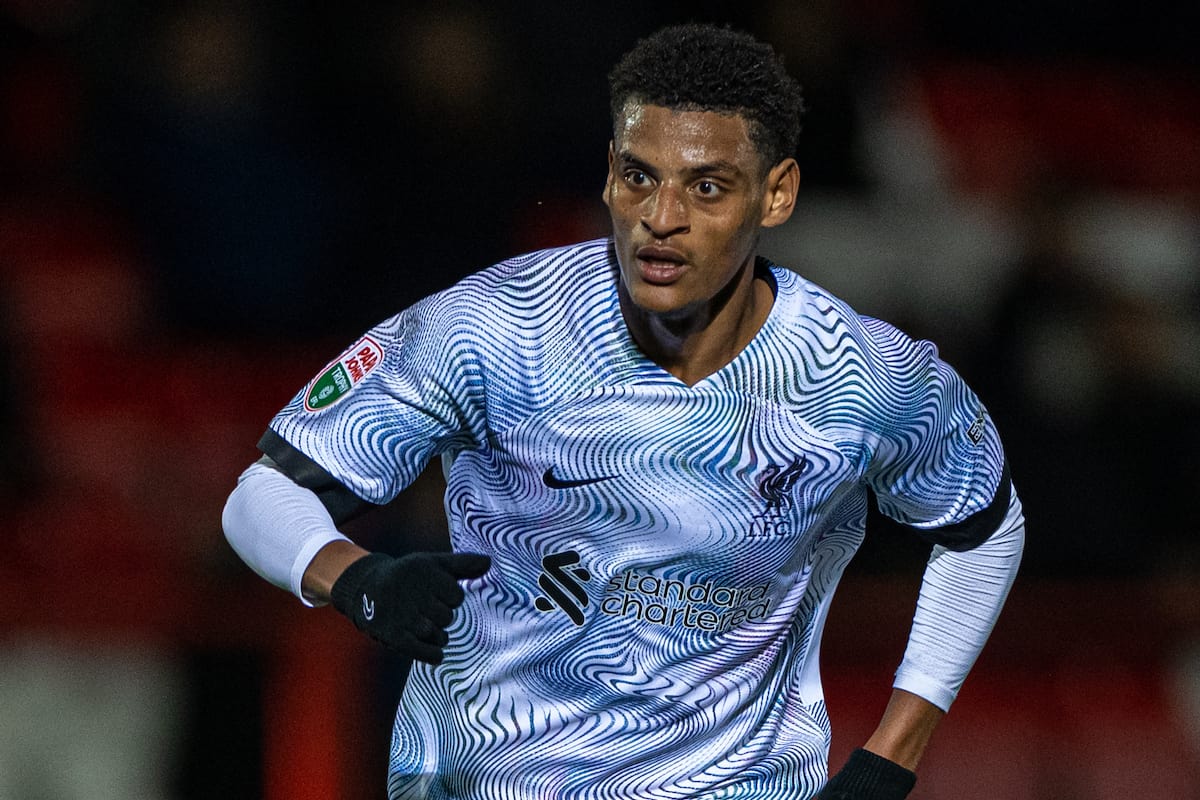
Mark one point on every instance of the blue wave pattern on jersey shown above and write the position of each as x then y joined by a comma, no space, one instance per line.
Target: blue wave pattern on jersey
663,555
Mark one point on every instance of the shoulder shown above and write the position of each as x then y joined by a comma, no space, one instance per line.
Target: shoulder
844,358
817,313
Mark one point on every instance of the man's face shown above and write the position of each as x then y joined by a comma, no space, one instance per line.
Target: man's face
688,193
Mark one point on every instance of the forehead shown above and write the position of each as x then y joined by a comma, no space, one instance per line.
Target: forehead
686,138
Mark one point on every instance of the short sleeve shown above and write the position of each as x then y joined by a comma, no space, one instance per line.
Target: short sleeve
937,457
406,391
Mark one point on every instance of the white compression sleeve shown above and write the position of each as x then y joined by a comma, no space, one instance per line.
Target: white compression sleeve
961,597
276,526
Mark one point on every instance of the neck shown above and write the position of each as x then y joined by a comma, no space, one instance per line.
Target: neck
693,343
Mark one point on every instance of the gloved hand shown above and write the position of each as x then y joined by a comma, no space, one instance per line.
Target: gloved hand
867,776
406,603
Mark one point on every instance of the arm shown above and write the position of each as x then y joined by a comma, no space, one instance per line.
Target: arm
884,768
284,532
279,528
905,729
326,567
962,593
961,597
349,442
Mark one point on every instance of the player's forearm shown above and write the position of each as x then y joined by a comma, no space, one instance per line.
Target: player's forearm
326,567
885,767
905,729
961,596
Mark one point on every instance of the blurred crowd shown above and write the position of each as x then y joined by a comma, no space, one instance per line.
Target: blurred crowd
201,202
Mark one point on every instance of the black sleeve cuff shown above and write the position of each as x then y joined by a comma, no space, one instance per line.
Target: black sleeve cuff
341,503
975,529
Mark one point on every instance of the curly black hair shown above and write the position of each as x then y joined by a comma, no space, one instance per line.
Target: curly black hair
704,67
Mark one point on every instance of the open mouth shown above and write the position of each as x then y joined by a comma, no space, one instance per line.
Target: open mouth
660,265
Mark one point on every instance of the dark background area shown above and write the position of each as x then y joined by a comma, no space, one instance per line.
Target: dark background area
201,203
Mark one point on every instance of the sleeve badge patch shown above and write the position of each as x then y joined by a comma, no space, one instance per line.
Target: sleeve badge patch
977,430
343,374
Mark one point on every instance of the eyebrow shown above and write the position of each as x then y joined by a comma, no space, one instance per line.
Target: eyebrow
719,167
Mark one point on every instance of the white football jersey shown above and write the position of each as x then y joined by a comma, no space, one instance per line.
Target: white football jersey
663,555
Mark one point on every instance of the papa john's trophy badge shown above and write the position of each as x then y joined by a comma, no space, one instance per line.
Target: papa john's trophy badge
343,374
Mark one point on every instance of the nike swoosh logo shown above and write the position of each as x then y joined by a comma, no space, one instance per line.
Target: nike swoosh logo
554,482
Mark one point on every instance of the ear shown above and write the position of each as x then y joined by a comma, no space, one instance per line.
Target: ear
783,183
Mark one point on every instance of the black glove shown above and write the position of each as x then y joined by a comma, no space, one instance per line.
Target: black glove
868,776
406,603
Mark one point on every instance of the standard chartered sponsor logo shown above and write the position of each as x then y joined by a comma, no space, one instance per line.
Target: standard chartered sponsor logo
680,604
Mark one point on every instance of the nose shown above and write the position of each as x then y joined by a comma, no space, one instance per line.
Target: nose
665,212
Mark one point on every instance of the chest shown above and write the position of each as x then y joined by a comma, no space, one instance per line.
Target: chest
667,472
